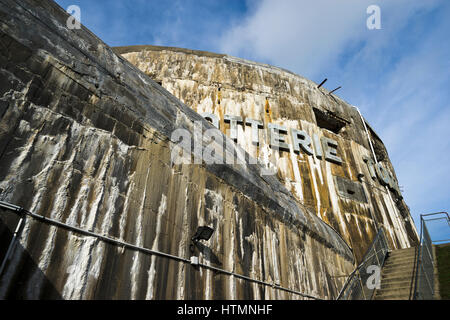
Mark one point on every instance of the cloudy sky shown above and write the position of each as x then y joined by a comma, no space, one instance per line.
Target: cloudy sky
397,75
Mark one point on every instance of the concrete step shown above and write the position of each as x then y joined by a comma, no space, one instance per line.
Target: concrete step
394,254
401,258
400,292
392,297
397,277
398,266
387,270
399,263
397,269
402,252
396,284
392,264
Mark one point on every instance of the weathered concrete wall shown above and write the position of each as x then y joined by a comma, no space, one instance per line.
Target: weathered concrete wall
85,140
224,85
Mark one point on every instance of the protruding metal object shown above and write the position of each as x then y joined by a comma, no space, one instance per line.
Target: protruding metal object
202,233
15,236
322,83
335,89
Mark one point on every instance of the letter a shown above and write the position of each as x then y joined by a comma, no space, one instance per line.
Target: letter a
73,22
373,21
373,282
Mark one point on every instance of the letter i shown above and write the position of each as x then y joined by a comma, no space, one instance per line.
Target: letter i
317,146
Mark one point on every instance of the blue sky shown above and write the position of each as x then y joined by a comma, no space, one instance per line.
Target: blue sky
399,75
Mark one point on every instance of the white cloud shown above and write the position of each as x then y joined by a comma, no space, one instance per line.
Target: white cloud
398,76
299,35
308,36
411,111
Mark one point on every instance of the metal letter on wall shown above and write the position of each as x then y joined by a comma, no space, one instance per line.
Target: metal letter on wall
277,141
233,120
255,125
301,140
330,149
317,146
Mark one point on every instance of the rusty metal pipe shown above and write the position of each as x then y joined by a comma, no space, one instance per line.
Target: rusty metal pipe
335,89
322,83
12,244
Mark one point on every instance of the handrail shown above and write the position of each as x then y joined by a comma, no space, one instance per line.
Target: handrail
436,213
367,256
427,244
23,212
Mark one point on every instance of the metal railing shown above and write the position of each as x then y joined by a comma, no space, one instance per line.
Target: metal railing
356,288
424,278
23,213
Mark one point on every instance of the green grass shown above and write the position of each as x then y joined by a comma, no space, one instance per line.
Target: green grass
443,262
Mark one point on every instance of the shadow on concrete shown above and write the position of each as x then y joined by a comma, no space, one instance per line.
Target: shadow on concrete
207,253
14,283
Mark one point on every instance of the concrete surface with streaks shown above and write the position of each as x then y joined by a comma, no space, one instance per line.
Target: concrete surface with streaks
85,139
223,85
